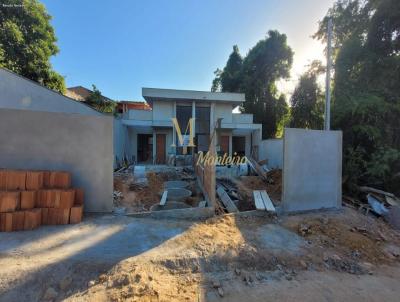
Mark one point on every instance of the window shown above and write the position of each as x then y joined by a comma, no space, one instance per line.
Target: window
202,128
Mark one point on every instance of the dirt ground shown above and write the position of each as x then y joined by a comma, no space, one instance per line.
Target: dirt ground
331,256
136,197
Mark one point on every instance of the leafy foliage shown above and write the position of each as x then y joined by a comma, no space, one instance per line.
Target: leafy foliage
366,95
27,41
99,102
255,75
307,101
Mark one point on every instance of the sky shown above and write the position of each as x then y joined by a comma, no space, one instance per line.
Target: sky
122,46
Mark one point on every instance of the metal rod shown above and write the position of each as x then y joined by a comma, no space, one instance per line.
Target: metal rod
327,125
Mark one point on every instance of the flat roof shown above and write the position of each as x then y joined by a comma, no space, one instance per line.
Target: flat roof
151,94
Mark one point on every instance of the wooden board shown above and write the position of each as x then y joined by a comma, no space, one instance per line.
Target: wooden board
373,190
262,201
257,168
226,200
164,198
258,201
267,201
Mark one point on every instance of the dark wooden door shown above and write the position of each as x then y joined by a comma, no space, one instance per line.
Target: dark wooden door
160,148
224,144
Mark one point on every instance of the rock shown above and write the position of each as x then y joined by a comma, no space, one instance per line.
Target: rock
220,291
50,294
110,284
304,229
248,279
368,267
391,251
383,236
65,283
122,280
336,257
216,284
258,276
137,278
91,283
303,264
237,271
102,278
288,277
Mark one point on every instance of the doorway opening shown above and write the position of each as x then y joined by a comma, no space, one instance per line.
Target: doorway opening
239,145
145,148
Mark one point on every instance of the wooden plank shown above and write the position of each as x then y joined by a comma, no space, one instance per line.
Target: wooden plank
258,201
163,198
226,200
373,190
202,204
267,201
392,201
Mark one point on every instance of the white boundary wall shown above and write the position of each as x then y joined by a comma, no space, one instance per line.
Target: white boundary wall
312,170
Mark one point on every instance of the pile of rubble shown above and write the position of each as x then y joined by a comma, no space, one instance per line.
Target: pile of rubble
381,203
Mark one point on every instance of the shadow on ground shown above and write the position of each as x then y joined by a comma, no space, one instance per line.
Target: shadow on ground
80,252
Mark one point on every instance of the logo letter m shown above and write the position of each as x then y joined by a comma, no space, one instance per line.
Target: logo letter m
180,136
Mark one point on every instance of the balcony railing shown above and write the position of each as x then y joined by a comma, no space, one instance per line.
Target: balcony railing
242,118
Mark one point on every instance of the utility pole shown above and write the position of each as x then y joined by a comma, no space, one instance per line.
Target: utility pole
327,125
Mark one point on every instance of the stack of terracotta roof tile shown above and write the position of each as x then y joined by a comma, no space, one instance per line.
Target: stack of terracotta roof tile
29,199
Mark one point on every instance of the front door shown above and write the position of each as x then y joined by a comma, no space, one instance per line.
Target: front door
224,144
160,148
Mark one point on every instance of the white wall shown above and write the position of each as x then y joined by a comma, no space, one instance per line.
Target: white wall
312,170
223,111
118,135
79,144
136,114
17,92
163,111
272,149
242,118
42,129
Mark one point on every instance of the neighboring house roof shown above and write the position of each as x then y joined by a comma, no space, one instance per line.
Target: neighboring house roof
18,92
80,93
151,94
137,105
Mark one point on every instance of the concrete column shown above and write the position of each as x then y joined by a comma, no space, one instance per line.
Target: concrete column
173,128
154,146
230,144
194,123
212,125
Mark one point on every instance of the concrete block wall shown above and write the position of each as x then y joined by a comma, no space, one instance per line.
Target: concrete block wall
312,169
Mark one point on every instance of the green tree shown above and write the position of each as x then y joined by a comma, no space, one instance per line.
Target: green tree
255,75
230,76
307,101
27,41
97,101
366,95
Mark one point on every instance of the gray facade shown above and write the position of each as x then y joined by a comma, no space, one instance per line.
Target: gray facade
44,130
312,170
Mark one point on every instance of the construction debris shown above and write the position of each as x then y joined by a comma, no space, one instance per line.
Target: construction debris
146,195
257,168
163,198
226,200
